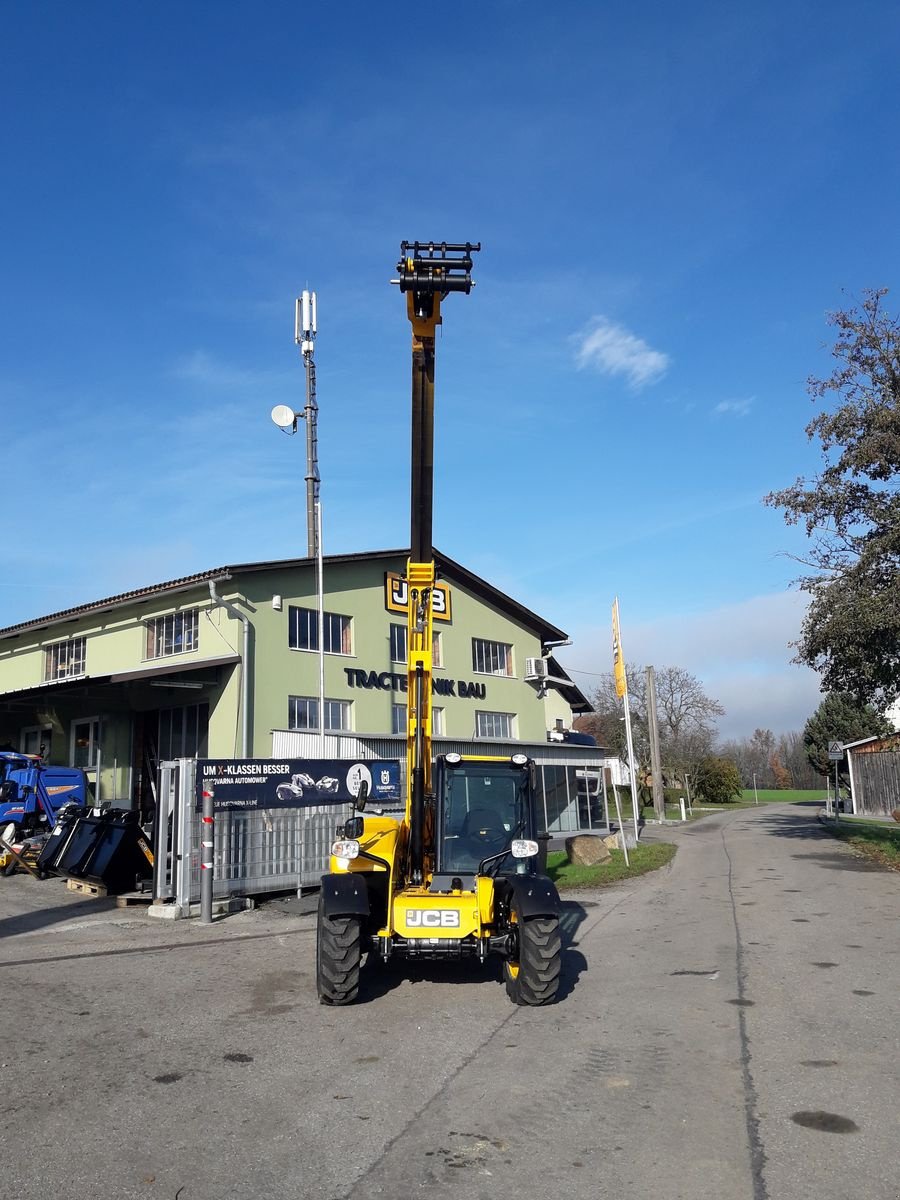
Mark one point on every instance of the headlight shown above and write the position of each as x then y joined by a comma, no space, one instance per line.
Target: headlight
521,848
345,849
519,759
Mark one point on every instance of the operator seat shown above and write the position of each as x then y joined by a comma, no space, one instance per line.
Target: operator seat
482,833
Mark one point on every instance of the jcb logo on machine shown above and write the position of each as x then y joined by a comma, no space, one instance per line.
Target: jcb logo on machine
432,918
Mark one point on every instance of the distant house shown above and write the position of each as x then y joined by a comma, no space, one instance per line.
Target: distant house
874,765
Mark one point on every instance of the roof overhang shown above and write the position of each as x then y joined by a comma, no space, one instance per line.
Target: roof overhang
149,673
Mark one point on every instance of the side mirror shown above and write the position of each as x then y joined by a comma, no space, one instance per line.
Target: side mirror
353,828
362,796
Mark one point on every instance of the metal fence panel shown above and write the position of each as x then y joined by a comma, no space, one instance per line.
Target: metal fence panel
267,850
256,851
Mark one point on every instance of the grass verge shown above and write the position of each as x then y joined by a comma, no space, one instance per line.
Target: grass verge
784,795
874,839
702,809
643,859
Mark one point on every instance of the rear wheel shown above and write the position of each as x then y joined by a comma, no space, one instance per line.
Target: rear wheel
532,974
338,957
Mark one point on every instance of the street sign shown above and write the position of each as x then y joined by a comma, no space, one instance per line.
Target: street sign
835,751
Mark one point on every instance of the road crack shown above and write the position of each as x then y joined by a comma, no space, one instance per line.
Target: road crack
751,1104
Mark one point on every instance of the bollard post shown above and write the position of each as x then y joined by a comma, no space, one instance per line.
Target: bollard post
683,813
207,843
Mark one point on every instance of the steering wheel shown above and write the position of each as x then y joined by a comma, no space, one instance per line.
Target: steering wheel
486,839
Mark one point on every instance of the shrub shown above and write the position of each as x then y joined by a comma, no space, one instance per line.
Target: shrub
718,780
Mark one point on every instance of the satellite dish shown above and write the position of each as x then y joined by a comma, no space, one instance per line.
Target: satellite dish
283,416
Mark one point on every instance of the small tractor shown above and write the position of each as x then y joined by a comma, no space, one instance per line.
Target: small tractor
32,796
458,875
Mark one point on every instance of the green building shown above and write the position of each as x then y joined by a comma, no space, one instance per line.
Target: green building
214,664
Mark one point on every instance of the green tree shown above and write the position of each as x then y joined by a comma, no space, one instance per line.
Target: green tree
851,511
717,780
840,718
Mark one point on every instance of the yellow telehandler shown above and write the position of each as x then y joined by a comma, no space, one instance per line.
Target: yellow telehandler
458,876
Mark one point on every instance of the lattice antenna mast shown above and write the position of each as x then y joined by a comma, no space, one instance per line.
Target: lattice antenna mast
305,337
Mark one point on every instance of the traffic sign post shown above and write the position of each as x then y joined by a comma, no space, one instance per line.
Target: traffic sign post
835,754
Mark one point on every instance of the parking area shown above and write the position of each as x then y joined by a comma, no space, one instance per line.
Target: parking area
724,1032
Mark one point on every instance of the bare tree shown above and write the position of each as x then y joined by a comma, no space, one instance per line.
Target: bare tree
687,717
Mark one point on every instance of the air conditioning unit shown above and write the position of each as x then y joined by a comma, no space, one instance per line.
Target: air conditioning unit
536,668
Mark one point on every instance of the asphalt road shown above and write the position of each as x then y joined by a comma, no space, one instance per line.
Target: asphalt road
727,1030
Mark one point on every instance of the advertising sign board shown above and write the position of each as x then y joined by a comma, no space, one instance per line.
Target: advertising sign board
294,783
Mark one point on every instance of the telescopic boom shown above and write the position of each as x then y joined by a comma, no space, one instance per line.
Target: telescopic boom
428,271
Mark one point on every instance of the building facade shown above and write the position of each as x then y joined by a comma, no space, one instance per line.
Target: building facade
212,664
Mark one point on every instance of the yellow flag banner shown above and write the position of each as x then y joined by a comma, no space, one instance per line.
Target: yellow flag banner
618,659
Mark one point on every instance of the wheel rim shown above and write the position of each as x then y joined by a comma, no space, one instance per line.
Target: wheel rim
512,963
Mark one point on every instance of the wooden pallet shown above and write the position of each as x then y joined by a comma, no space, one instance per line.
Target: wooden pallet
85,889
129,899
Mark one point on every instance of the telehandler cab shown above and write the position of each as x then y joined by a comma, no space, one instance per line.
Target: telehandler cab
458,875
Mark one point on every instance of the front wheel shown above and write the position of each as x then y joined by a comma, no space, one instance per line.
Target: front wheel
338,957
532,975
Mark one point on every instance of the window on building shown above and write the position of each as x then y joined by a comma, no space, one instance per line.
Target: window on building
85,743
176,633
36,739
495,725
303,631
398,720
491,658
184,731
303,713
62,660
398,645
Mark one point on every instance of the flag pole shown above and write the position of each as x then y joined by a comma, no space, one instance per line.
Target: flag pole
622,693
631,770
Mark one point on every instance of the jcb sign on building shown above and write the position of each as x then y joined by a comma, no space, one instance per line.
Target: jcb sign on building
396,597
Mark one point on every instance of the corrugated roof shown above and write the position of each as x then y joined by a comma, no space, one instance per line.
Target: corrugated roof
474,582
155,589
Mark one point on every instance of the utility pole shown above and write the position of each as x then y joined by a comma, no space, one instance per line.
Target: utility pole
659,795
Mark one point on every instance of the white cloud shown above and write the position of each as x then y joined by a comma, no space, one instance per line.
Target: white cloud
734,408
613,350
741,652
204,369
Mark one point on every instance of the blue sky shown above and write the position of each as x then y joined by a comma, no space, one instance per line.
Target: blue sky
670,199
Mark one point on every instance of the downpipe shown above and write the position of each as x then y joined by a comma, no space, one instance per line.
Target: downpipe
221,602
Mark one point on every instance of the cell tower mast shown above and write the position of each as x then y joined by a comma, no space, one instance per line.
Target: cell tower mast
305,337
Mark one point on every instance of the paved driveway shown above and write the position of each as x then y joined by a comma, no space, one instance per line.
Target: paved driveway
728,1029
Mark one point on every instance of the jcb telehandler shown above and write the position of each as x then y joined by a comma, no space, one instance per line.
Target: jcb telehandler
458,875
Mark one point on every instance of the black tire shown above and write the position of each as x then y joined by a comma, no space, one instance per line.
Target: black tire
532,977
338,957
